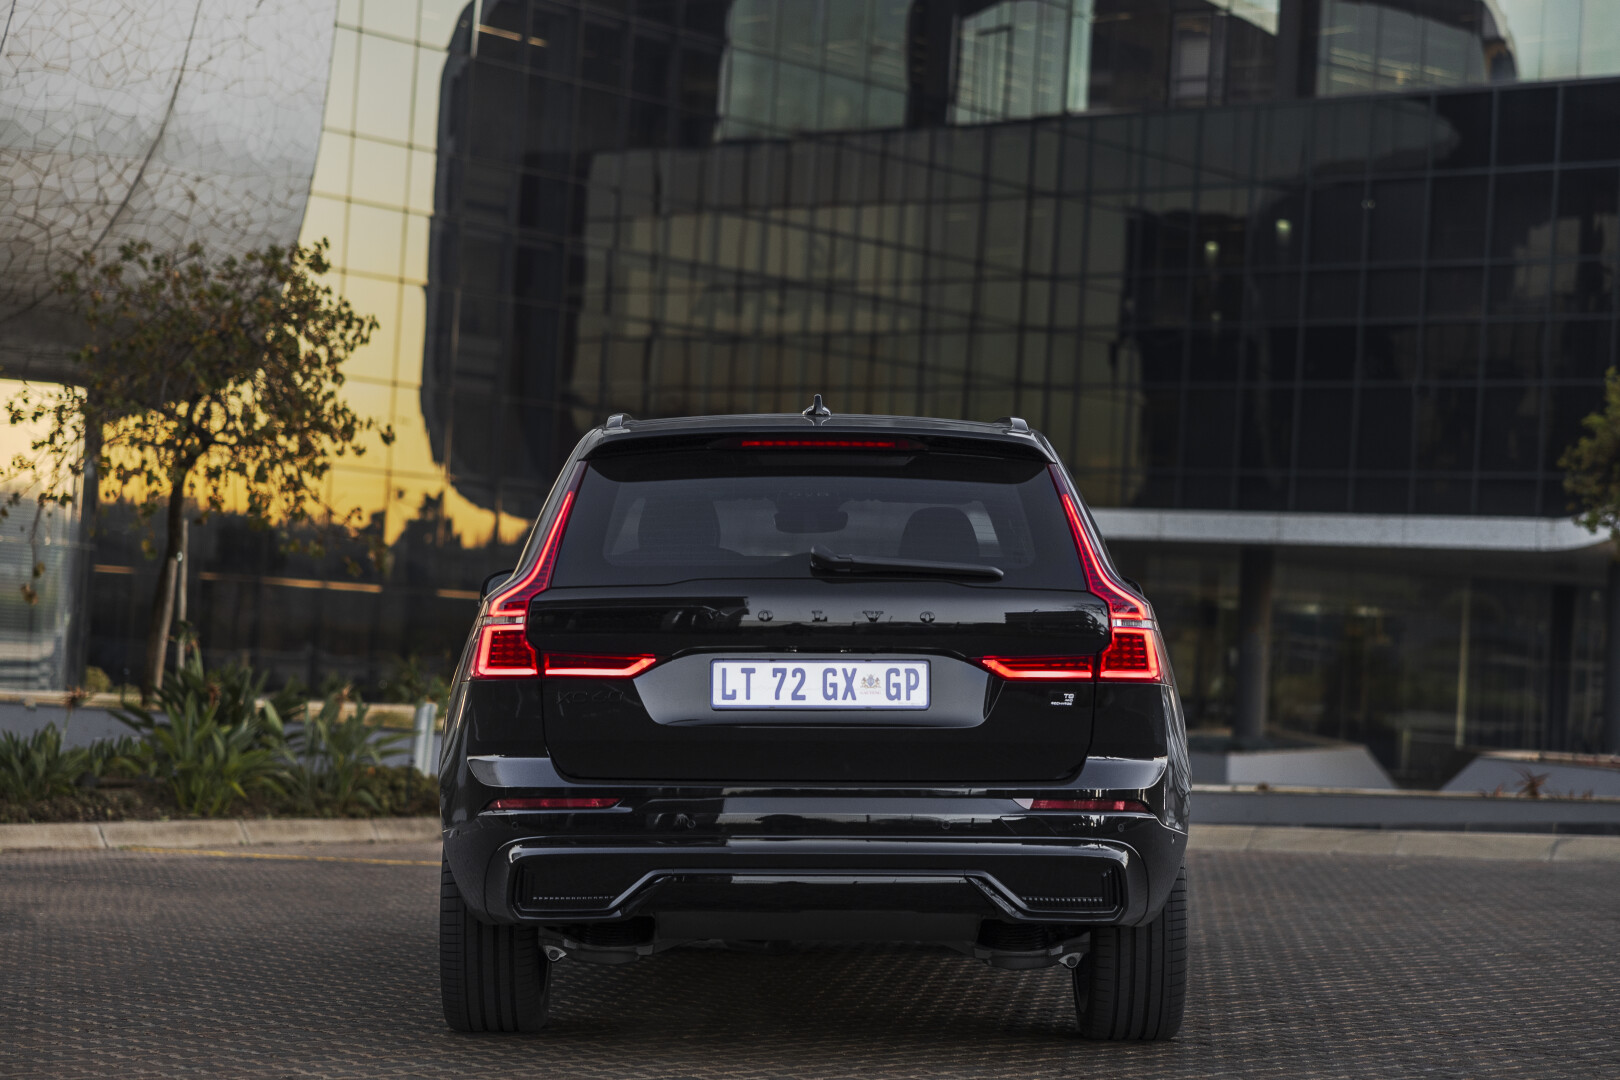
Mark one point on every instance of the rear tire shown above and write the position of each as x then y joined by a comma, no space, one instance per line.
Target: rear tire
491,978
1132,984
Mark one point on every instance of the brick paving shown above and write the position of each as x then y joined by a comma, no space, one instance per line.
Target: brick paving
140,964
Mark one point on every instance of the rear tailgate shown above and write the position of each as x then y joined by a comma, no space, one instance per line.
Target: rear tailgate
833,702
836,569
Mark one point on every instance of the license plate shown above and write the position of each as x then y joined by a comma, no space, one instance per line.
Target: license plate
818,684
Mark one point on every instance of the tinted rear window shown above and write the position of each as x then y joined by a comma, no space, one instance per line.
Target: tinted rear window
659,519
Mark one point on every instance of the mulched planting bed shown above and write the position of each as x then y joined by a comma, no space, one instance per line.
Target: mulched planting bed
399,791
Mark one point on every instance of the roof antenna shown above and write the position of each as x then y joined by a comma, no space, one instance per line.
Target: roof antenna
817,413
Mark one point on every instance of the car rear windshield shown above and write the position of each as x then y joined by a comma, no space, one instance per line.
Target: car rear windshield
685,515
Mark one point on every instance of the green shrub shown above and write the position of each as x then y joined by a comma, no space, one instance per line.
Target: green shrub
333,759
211,740
38,766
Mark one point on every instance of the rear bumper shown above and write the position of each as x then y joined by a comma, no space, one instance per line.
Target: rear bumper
541,880
693,864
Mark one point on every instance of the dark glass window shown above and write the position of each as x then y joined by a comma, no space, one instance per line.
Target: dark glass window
1323,494
1336,217
1333,296
654,57
1384,437
602,55
1566,407
1455,292
1400,139
1394,294
1389,352
1519,288
1581,350
1451,351
1268,426
1381,494
548,135
1442,495
707,17
1513,349
1330,353
1462,136
1286,140
1588,224
599,116
1526,125
1445,427
1210,426
1457,218
1130,61
493,136
1324,429
1583,288
1396,221
1591,118
1498,497
1523,209
656,519
700,78
1512,422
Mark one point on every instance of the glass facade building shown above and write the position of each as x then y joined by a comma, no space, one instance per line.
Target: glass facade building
1333,279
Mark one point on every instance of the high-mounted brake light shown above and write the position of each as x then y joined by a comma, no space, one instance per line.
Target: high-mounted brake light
503,650
1039,667
1089,806
828,444
553,804
600,667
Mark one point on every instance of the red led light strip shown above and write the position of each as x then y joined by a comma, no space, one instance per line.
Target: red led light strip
825,444
1122,602
1091,806
574,803
1039,667
600,667
503,650
513,599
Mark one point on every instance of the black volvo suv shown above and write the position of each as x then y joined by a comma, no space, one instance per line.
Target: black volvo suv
815,678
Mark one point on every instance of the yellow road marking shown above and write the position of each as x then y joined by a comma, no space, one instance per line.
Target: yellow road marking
220,854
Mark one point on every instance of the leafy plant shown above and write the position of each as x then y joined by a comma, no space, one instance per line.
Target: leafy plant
333,757
212,741
38,766
414,682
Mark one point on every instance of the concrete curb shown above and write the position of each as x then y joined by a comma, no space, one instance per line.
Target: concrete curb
201,834
1533,847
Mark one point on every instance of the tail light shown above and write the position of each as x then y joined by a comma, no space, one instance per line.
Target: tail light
600,667
1040,667
1135,650
1088,806
553,804
503,650
1132,656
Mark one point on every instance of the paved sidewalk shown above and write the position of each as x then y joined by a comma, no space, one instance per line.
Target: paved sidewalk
320,961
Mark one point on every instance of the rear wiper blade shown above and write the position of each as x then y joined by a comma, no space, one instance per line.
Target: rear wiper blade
830,562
